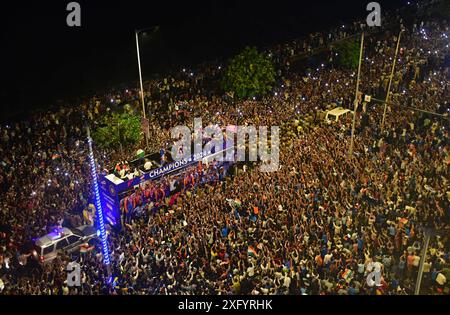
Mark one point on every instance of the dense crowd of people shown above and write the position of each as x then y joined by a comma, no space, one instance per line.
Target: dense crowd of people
318,225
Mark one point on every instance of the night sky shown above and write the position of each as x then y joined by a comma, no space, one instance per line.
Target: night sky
44,60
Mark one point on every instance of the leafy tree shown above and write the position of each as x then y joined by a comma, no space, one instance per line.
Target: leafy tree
249,74
117,129
348,54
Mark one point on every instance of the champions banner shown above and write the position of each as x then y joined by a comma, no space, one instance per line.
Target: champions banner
110,191
169,168
110,202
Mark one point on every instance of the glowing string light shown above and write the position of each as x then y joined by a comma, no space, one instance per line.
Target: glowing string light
98,205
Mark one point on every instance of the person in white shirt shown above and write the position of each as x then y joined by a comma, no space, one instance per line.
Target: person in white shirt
148,165
251,271
327,258
287,282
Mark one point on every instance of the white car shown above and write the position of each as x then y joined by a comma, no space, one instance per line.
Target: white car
337,114
63,240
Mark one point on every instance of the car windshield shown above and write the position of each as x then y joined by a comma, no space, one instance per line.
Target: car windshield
61,244
47,250
72,239
77,232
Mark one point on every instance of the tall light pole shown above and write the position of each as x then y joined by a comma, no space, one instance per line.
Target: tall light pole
136,33
356,95
98,206
427,234
390,80
140,73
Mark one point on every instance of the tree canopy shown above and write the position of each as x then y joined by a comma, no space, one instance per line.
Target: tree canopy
348,54
118,128
249,74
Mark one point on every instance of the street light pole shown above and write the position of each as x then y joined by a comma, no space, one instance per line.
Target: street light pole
356,95
422,262
390,80
428,233
140,80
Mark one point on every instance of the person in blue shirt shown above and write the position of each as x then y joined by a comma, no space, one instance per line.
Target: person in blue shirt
324,238
394,284
434,274
324,251
224,231
162,154
351,290
354,211
360,244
